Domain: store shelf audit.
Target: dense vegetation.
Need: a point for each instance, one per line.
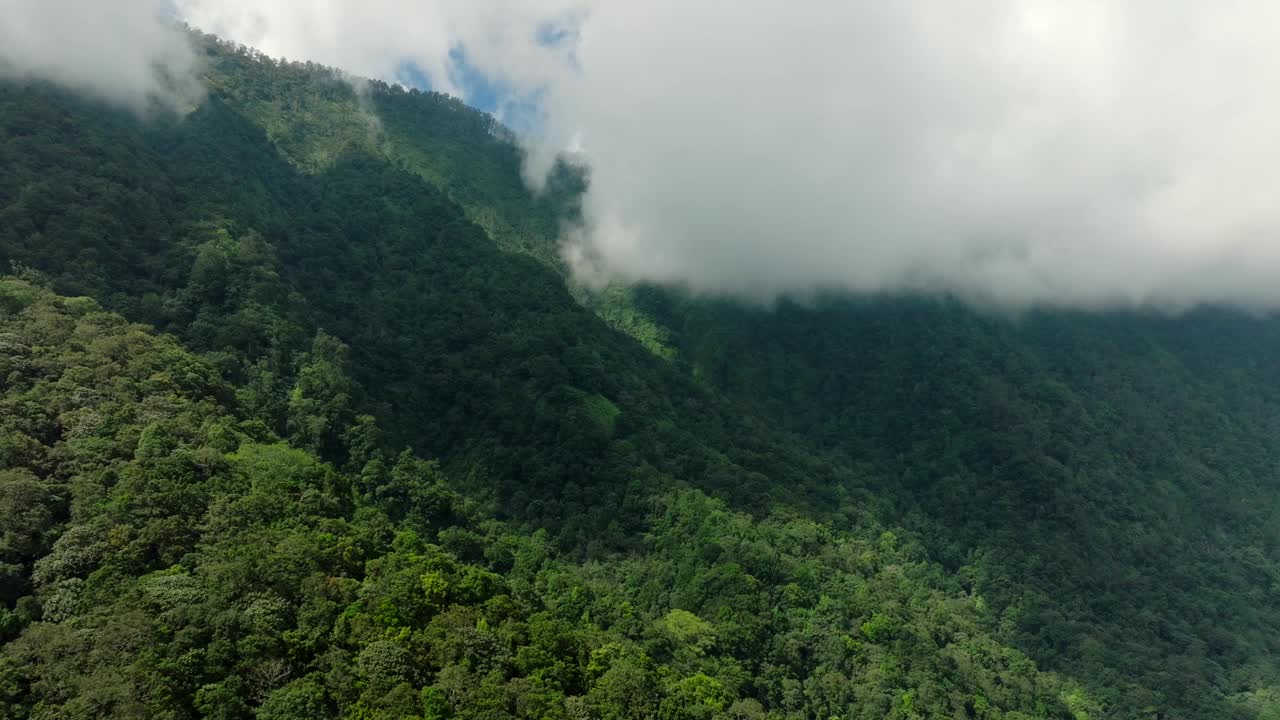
(223, 330)
(166, 555)
(1107, 482)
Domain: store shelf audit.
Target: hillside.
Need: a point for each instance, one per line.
(226, 328)
(166, 555)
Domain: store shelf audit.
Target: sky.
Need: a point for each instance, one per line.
(1077, 153)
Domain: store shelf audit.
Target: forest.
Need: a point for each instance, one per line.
(301, 416)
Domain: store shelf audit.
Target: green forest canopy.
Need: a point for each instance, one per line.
(231, 342)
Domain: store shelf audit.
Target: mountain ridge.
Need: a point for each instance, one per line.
(356, 298)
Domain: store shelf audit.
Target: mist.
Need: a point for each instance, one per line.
(1018, 153)
(129, 53)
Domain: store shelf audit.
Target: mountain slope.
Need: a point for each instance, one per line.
(904, 491)
(1108, 482)
(166, 555)
(458, 346)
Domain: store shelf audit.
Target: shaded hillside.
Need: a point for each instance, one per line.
(1107, 482)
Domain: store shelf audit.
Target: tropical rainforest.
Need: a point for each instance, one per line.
(301, 416)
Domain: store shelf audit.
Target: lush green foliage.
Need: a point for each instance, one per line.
(167, 556)
(1108, 483)
(645, 505)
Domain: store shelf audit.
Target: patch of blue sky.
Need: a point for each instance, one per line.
(520, 111)
(563, 34)
(411, 75)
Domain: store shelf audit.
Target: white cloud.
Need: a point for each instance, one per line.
(1077, 152)
(121, 51)
(1084, 153)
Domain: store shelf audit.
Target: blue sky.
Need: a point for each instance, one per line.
(519, 110)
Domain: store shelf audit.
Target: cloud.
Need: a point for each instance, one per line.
(1071, 152)
(1083, 153)
(126, 52)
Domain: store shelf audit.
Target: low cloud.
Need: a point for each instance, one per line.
(1084, 153)
(128, 53)
(1077, 153)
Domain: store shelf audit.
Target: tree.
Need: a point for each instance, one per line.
(320, 403)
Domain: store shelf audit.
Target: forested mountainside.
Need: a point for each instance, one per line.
(223, 330)
(167, 555)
